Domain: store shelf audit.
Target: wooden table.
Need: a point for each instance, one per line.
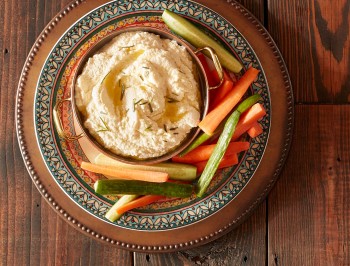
(305, 219)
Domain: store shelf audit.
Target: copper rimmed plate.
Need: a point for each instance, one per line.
(54, 164)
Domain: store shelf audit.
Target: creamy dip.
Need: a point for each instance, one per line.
(139, 95)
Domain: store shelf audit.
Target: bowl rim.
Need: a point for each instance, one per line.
(203, 89)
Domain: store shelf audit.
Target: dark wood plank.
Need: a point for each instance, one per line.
(244, 245)
(314, 39)
(31, 232)
(256, 7)
(309, 208)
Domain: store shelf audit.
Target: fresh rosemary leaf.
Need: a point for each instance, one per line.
(171, 100)
(104, 126)
(150, 107)
(125, 47)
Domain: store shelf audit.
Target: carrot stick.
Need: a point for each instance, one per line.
(137, 203)
(213, 119)
(226, 161)
(255, 130)
(247, 120)
(202, 153)
(222, 91)
(123, 173)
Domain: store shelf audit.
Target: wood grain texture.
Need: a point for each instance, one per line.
(314, 39)
(31, 232)
(309, 208)
(244, 245)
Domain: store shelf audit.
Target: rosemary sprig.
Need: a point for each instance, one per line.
(171, 100)
(173, 128)
(125, 47)
(133, 108)
(143, 103)
(149, 128)
(150, 107)
(165, 128)
(104, 126)
(141, 77)
(136, 103)
(145, 67)
(122, 91)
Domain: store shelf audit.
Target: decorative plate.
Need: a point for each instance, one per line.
(54, 163)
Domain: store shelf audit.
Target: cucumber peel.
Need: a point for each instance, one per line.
(199, 39)
(134, 187)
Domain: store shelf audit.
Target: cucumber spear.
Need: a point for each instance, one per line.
(198, 38)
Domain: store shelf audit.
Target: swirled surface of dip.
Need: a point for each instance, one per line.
(139, 95)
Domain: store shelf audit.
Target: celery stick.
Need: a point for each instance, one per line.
(112, 215)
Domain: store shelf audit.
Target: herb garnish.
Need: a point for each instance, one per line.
(125, 47)
(104, 126)
(171, 100)
(176, 133)
(150, 107)
(122, 92)
(141, 77)
(145, 67)
(181, 72)
(149, 128)
(136, 103)
(165, 129)
(173, 128)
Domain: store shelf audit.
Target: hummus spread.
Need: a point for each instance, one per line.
(139, 95)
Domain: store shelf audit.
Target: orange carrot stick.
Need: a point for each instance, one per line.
(255, 130)
(123, 173)
(226, 161)
(202, 153)
(213, 119)
(137, 203)
(222, 91)
(247, 120)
